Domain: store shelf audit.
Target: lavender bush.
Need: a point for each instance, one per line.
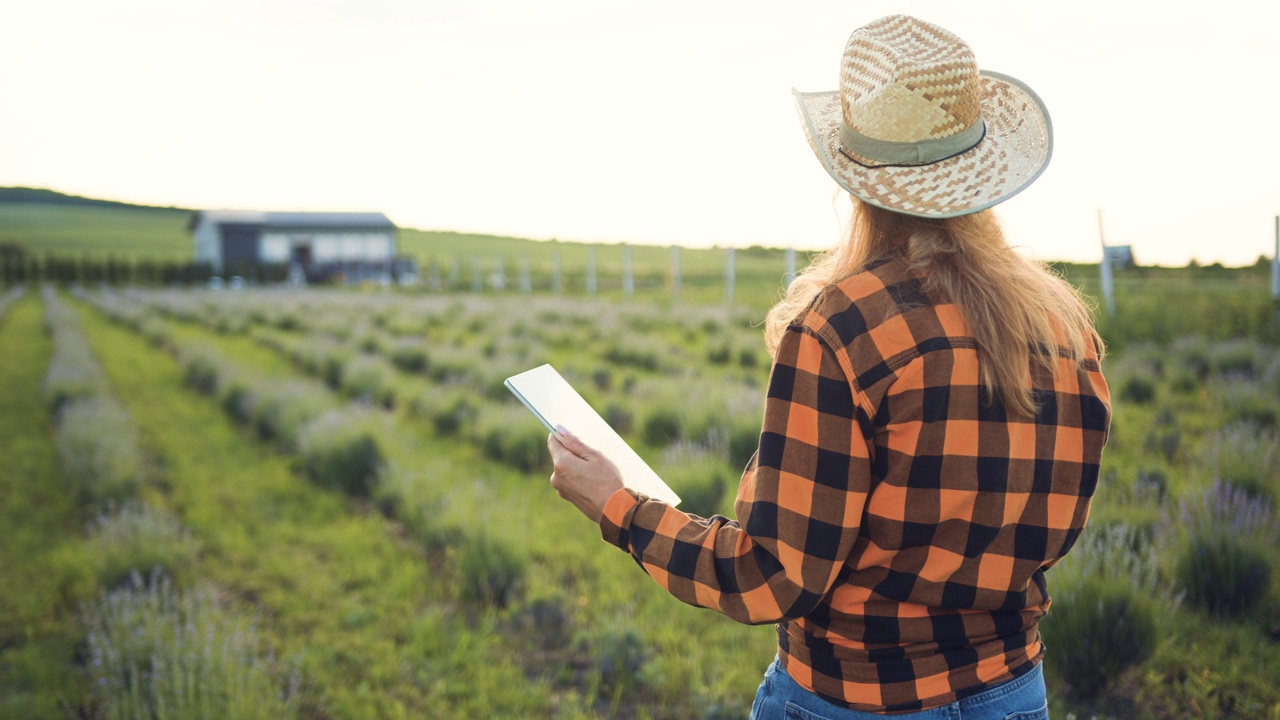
(369, 378)
(1107, 599)
(342, 450)
(699, 474)
(1222, 564)
(410, 354)
(156, 651)
(73, 372)
(11, 296)
(1246, 456)
(98, 445)
(450, 409)
(508, 433)
(1247, 401)
(138, 537)
(492, 568)
(279, 410)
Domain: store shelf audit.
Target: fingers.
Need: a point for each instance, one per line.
(571, 442)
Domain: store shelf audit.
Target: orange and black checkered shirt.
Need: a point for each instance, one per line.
(893, 523)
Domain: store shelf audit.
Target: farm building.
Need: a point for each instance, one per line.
(314, 245)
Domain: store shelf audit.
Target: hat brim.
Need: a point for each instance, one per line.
(1012, 154)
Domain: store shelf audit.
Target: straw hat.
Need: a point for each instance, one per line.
(916, 128)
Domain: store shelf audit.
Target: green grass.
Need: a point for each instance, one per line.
(448, 495)
(127, 232)
(348, 597)
(39, 528)
(463, 586)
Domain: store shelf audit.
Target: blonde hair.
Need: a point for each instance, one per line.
(1011, 304)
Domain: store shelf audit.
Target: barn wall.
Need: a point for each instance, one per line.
(208, 247)
(239, 246)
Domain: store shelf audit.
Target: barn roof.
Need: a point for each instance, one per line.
(284, 220)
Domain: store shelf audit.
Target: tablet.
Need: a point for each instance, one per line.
(554, 401)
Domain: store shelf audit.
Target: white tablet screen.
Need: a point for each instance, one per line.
(550, 397)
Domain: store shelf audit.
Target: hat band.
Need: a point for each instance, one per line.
(922, 152)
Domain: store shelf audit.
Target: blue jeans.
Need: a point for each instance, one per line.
(1022, 698)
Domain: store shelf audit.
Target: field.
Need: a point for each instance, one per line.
(323, 504)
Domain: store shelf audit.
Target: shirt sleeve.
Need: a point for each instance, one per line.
(799, 504)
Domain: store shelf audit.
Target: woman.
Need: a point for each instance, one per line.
(934, 420)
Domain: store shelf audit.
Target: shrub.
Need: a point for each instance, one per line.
(701, 487)
(719, 353)
(450, 410)
(410, 354)
(340, 450)
(369, 378)
(451, 363)
(11, 296)
(620, 418)
(548, 621)
(748, 358)
(1138, 389)
(1184, 382)
(1246, 456)
(332, 362)
(492, 569)
(1108, 595)
(202, 369)
(636, 353)
(602, 379)
(1240, 357)
(660, 425)
(1248, 402)
(743, 438)
(73, 372)
(620, 657)
(239, 397)
(1096, 630)
(730, 419)
(156, 651)
(509, 434)
(98, 445)
(1192, 354)
(1220, 564)
(1223, 576)
(156, 331)
(137, 538)
(1165, 443)
(698, 474)
(280, 410)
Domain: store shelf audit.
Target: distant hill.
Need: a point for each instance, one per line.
(41, 220)
(53, 197)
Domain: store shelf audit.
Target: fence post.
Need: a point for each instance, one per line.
(433, 273)
(675, 272)
(477, 284)
(1108, 287)
(791, 268)
(628, 280)
(729, 273)
(1275, 265)
(526, 283)
(499, 276)
(591, 271)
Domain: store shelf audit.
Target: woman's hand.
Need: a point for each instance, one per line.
(582, 476)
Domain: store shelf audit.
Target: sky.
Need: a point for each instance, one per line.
(661, 122)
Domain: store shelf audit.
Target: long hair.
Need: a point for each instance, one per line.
(1011, 304)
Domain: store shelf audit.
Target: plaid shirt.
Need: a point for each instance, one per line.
(893, 524)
